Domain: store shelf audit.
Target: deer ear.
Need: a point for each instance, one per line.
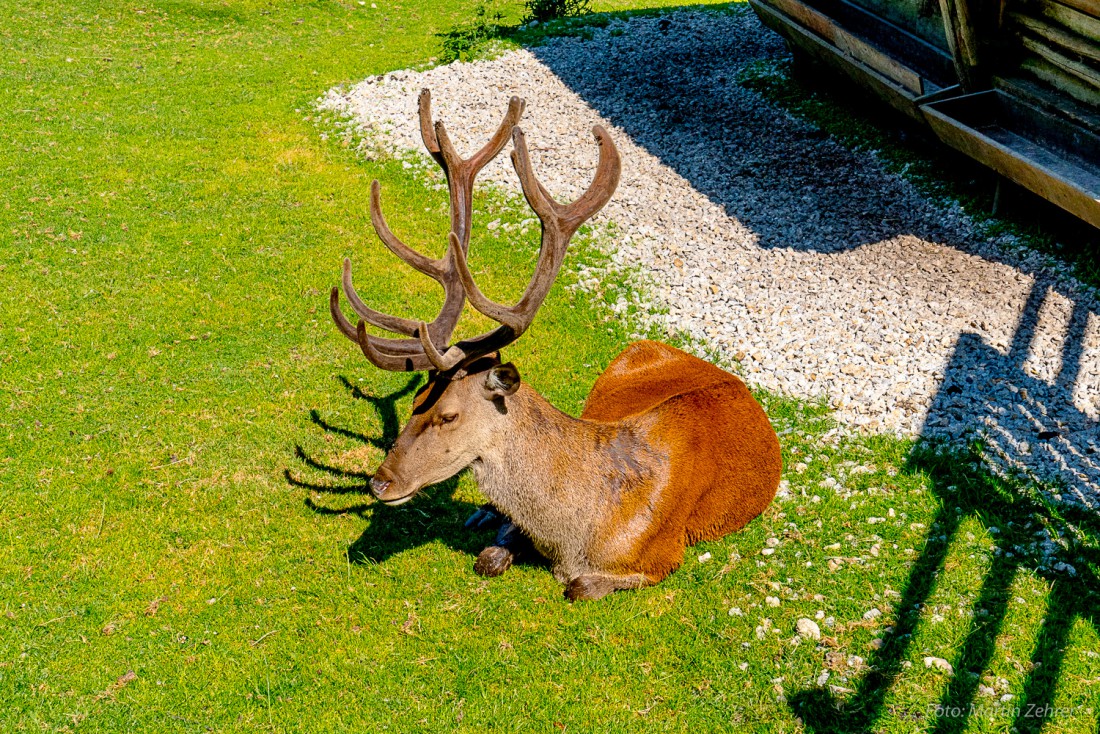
(501, 381)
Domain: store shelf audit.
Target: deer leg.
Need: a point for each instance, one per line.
(509, 546)
(485, 517)
(591, 586)
(497, 558)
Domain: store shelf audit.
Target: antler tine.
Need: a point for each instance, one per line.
(427, 133)
(440, 329)
(453, 163)
(510, 317)
(461, 173)
(440, 270)
(467, 350)
(569, 217)
(500, 138)
(520, 316)
(368, 314)
(432, 268)
(442, 362)
(559, 222)
(477, 161)
(375, 349)
(428, 357)
(604, 183)
(391, 362)
(342, 322)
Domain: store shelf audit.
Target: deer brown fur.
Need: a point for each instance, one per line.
(668, 451)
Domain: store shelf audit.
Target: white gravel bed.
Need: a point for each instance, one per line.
(819, 272)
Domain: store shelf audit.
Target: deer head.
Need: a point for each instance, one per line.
(465, 405)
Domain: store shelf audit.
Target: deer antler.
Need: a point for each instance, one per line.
(411, 354)
(559, 223)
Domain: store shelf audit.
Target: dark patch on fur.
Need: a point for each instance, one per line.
(626, 473)
(622, 450)
(429, 395)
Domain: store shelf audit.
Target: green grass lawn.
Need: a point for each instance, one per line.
(185, 441)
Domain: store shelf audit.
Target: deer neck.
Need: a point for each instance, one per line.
(552, 474)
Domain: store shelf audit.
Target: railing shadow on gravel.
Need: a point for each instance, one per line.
(436, 515)
(1051, 532)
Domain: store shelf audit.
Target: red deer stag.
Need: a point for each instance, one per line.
(669, 450)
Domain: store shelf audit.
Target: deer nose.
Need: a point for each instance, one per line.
(379, 483)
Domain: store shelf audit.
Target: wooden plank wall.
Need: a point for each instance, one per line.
(1057, 42)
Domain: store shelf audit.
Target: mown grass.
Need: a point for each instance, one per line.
(186, 441)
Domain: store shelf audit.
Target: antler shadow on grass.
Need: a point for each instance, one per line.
(386, 407)
(432, 515)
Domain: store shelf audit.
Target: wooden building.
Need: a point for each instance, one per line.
(1014, 84)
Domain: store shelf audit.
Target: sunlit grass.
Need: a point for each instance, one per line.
(186, 437)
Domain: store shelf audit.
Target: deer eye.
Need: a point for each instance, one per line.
(447, 417)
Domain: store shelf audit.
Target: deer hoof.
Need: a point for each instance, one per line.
(587, 588)
(493, 561)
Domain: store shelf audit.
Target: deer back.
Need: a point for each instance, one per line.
(722, 454)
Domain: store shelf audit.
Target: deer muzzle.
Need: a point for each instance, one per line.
(387, 489)
(379, 486)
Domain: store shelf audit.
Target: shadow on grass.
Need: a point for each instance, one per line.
(997, 504)
(1052, 531)
(433, 515)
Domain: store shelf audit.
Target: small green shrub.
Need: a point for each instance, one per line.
(544, 10)
(463, 41)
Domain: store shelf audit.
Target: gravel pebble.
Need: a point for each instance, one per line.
(939, 664)
(808, 628)
(819, 272)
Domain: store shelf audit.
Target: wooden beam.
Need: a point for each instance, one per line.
(1072, 185)
(1073, 18)
(850, 44)
(1063, 81)
(1053, 35)
(1089, 7)
(896, 95)
(958, 22)
(1083, 72)
(1054, 104)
